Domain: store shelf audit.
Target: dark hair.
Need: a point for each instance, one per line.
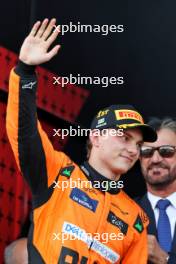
(160, 123)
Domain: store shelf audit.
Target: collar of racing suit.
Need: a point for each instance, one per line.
(104, 184)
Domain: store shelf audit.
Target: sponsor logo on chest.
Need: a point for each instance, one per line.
(116, 221)
(83, 199)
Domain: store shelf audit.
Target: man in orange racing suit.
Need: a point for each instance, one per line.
(69, 224)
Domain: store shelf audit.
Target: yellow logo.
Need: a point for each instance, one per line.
(102, 113)
(128, 114)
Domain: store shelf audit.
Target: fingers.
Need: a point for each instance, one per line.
(49, 29)
(52, 38)
(35, 29)
(42, 28)
(53, 52)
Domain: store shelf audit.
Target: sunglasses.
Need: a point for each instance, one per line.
(165, 151)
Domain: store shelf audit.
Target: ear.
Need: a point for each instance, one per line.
(94, 137)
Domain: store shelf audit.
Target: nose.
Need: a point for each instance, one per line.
(156, 157)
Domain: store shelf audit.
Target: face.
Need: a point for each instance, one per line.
(119, 153)
(157, 170)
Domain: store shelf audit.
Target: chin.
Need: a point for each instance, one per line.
(121, 170)
(156, 179)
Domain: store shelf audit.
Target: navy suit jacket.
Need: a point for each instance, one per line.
(152, 230)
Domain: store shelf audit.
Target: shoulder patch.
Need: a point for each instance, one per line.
(144, 217)
(67, 171)
(116, 221)
(138, 224)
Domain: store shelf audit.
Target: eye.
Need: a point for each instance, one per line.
(125, 138)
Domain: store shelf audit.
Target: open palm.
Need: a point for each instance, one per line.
(34, 50)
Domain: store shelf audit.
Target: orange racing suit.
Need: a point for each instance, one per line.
(79, 214)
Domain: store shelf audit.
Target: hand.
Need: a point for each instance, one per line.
(155, 254)
(34, 50)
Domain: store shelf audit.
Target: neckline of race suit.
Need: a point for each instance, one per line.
(105, 184)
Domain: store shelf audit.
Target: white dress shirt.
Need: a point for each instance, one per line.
(171, 209)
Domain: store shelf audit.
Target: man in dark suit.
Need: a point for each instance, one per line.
(158, 164)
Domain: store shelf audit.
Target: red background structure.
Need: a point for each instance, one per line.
(14, 194)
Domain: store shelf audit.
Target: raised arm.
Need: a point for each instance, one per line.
(34, 154)
(34, 50)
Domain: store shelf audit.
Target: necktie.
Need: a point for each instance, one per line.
(164, 229)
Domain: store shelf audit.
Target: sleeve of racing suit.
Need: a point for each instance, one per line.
(37, 160)
(138, 252)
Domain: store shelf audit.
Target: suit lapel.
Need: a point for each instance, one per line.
(145, 204)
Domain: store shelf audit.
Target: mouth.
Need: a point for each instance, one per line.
(157, 170)
(127, 158)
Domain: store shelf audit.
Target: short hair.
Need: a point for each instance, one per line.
(161, 123)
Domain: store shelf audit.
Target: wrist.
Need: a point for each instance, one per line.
(25, 69)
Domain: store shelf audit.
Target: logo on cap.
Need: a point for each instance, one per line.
(128, 114)
(102, 113)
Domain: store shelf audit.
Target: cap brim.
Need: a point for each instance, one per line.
(149, 134)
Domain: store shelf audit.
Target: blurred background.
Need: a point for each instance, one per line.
(144, 54)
